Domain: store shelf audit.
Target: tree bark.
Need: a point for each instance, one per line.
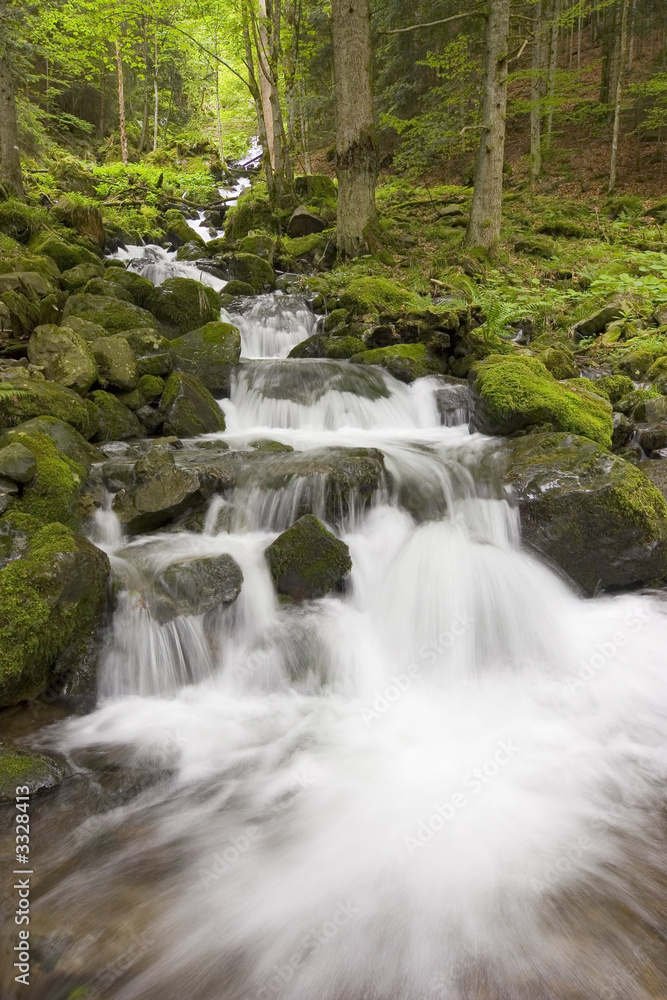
(356, 150)
(553, 67)
(536, 95)
(486, 212)
(121, 105)
(156, 97)
(265, 85)
(255, 91)
(619, 93)
(11, 175)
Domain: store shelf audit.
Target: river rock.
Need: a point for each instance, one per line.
(19, 767)
(188, 407)
(52, 601)
(116, 422)
(251, 269)
(66, 255)
(591, 513)
(115, 362)
(152, 351)
(204, 584)
(303, 222)
(184, 304)
(110, 313)
(67, 440)
(17, 463)
(136, 285)
(511, 394)
(406, 362)
(307, 561)
(209, 354)
(597, 322)
(77, 277)
(64, 357)
(33, 397)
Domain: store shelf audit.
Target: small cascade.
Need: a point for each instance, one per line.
(273, 324)
(158, 265)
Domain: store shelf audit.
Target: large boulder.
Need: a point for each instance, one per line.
(52, 601)
(511, 394)
(52, 494)
(64, 357)
(367, 296)
(591, 513)
(179, 232)
(198, 585)
(110, 313)
(77, 277)
(304, 222)
(184, 304)
(17, 463)
(115, 362)
(188, 407)
(116, 422)
(24, 398)
(136, 285)
(251, 269)
(152, 351)
(405, 362)
(209, 354)
(66, 255)
(67, 440)
(307, 561)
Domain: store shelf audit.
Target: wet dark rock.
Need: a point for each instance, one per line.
(64, 357)
(209, 354)
(623, 430)
(589, 512)
(17, 463)
(303, 222)
(307, 561)
(653, 438)
(19, 767)
(199, 585)
(116, 422)
(597, 322)
(189, 408)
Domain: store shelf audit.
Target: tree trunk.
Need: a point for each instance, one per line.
(486, 212)
(267, 44)
(11, 176)
(356, 150)
(553, 66)
(619, 93)
(144, 115)
(218, 119)
(121, 105)
(536, 94)
(156, 96)
(265, 85)
(254, 88)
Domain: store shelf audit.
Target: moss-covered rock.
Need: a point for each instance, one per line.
(639, 356)
(614, 387)
(66, 255)
(115, 362)
(77, 277)
(17, 463)
(198, 585)
(111, 314)
(64, 357)
(53, 492)
(98, 286)
(252, 212)
(251, 269)
(591, 513)
(138, 287)
(405, 362)
(20, 768)
(32, 284)
(177, 227)
(235, 288)
(188, 407)
(24, 398)
(148, 389)
(512, 394)
(209, 354)
(52, 600)
(559, 362)
(598, 321)
(365, 296)
(317, 190)
(67, 440)
(152, 351)
(184, 304)
(84, 328)
(259, 245)
(307, 561)
(116, 422)
(23, 314)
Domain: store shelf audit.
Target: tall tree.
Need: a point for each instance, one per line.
(618, 95)
(486, 211)
(10, 159)
(121, 104)
(356, 149)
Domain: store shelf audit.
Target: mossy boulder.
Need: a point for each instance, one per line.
(64, 357)
(52, 601)
(210, 354)
(252, 212)
(138, 287)
(116, 422)
(115, 362)
(366, 296)
(23, 313)
(513, 394)
(345, 347)
(406, 362)
(17, 463)
(20, 768)
(637, 361)
(184, 304)
(110, 313)
(591, 513)
(66, 255)
(251, 269)
(307, 561)
(98, 286)
(53, 492)
(316, 189)
(77, 277)
(148, 389)
(178, 231)
(198, 585)
(67, 440)
(235, 288)
(152, 351)
(560, 363)
(24, 398)
(259, 245)
(188, 407)
(84, 328)
(32, 284)
(614, 387)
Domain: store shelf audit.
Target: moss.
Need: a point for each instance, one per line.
(639, 356)
(518, 393)
(21, 221)
(307, 561)
(116, 364)
(405, 362)
(53, 493)
(343, 347)
(66, 255)
(614, 387)
(560, 363)
(32, 397)
(67, 440)
(177, 225)
(64, 357)
(77, 277)
(251, 269)
(317, 190)
(51, 601)
(305, 247)
(251, 212)
(138, 287)
(379, 295)
(110, 313)
(260, 245)
(188, 407)
(184, 304)
(658, 369)
(209, 354)
(116, 422)
(628, 403)
(19, 768)
(235, 288)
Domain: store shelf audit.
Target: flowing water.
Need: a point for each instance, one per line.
(446, 782)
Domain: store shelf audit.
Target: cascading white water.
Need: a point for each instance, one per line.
(273, 325)
(158, 265)
(443, 784)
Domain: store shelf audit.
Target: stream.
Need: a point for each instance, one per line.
(445, 782)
